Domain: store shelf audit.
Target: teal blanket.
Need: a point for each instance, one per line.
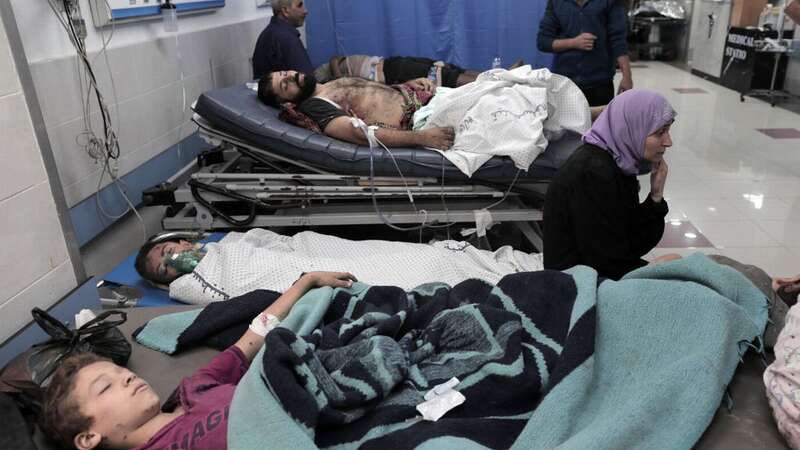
(668, 339)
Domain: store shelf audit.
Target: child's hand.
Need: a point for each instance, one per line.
(332, 279)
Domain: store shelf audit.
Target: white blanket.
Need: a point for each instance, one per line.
(261, 259)
(506, 113)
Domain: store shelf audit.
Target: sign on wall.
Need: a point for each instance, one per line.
(104, 12)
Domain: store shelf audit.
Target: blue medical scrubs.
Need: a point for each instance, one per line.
(279, 48)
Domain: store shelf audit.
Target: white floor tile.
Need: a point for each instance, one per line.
(701, 208)
(785, 232)
(766, 208)
(735, 234)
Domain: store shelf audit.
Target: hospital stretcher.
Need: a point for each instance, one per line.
(268, 173)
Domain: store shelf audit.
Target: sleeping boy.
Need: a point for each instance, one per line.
(92, 403)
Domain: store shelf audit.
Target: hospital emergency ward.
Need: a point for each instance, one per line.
(386, 224)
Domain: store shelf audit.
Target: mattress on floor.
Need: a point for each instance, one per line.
(237, 111)
(125, 273)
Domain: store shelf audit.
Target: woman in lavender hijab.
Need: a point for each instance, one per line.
(592, 213)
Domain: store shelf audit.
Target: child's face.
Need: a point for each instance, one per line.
(116, 399)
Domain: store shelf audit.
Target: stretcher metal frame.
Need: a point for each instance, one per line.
(311, 196)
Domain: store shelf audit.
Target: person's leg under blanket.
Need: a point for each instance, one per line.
(777, 308)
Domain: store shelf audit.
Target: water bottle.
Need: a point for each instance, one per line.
(432, 73)
(497, 63)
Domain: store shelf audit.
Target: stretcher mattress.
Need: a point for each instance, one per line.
(237, 111)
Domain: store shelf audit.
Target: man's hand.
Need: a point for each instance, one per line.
(789, 284)
(438, 138)
(658, 178)
(422, 84)
(332, 279)
(625, 85)
(584, 42)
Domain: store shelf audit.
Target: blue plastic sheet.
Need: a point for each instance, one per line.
(469, 33)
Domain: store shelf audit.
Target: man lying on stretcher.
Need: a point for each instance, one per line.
(331, 105)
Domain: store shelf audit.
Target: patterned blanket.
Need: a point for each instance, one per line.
(358, 379)
(545, 360)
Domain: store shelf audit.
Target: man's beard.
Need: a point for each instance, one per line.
(307, 87)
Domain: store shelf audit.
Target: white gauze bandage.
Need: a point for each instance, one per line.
(263, 324)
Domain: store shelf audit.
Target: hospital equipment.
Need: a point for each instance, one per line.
(169, 14)
(268, 173)
(108, 12)
(184, 262)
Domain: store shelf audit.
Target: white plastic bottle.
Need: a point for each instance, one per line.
(432, 73)
(497, 63)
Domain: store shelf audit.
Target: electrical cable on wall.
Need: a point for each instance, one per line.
(103, 149)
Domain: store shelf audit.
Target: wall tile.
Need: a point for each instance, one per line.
(9, 82)
(147, 79)
(58, 90)
(126, 78)
(16, 128)
(43, 293)
(72, 160)
(34, 244)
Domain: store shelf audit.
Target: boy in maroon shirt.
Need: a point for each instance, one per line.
(93, 403)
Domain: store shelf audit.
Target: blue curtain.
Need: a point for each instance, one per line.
(469, 33)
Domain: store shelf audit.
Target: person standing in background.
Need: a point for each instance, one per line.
(279, 46)
(589, 38)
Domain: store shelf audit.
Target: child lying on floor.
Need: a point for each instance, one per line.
(93, 403)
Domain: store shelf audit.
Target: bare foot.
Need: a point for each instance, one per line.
(518, 63)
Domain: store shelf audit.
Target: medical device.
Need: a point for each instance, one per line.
(107, 12)
(169, 14)
(186, 261)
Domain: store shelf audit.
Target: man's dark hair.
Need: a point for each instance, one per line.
(141, 262)
(265, 92)
(61, 418)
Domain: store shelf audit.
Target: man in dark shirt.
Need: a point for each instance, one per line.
(279, 46)
(588, 38)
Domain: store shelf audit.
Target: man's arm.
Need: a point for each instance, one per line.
(618, 42)
(793, 11)
(440, 138)
(626, 83)
(250, 342)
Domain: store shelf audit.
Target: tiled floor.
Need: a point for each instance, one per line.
(734, 173)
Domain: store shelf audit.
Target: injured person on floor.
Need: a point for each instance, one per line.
(262, 259)
(536, 361)
(503, 113)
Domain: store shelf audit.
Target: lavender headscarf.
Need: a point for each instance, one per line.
(625, 124)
